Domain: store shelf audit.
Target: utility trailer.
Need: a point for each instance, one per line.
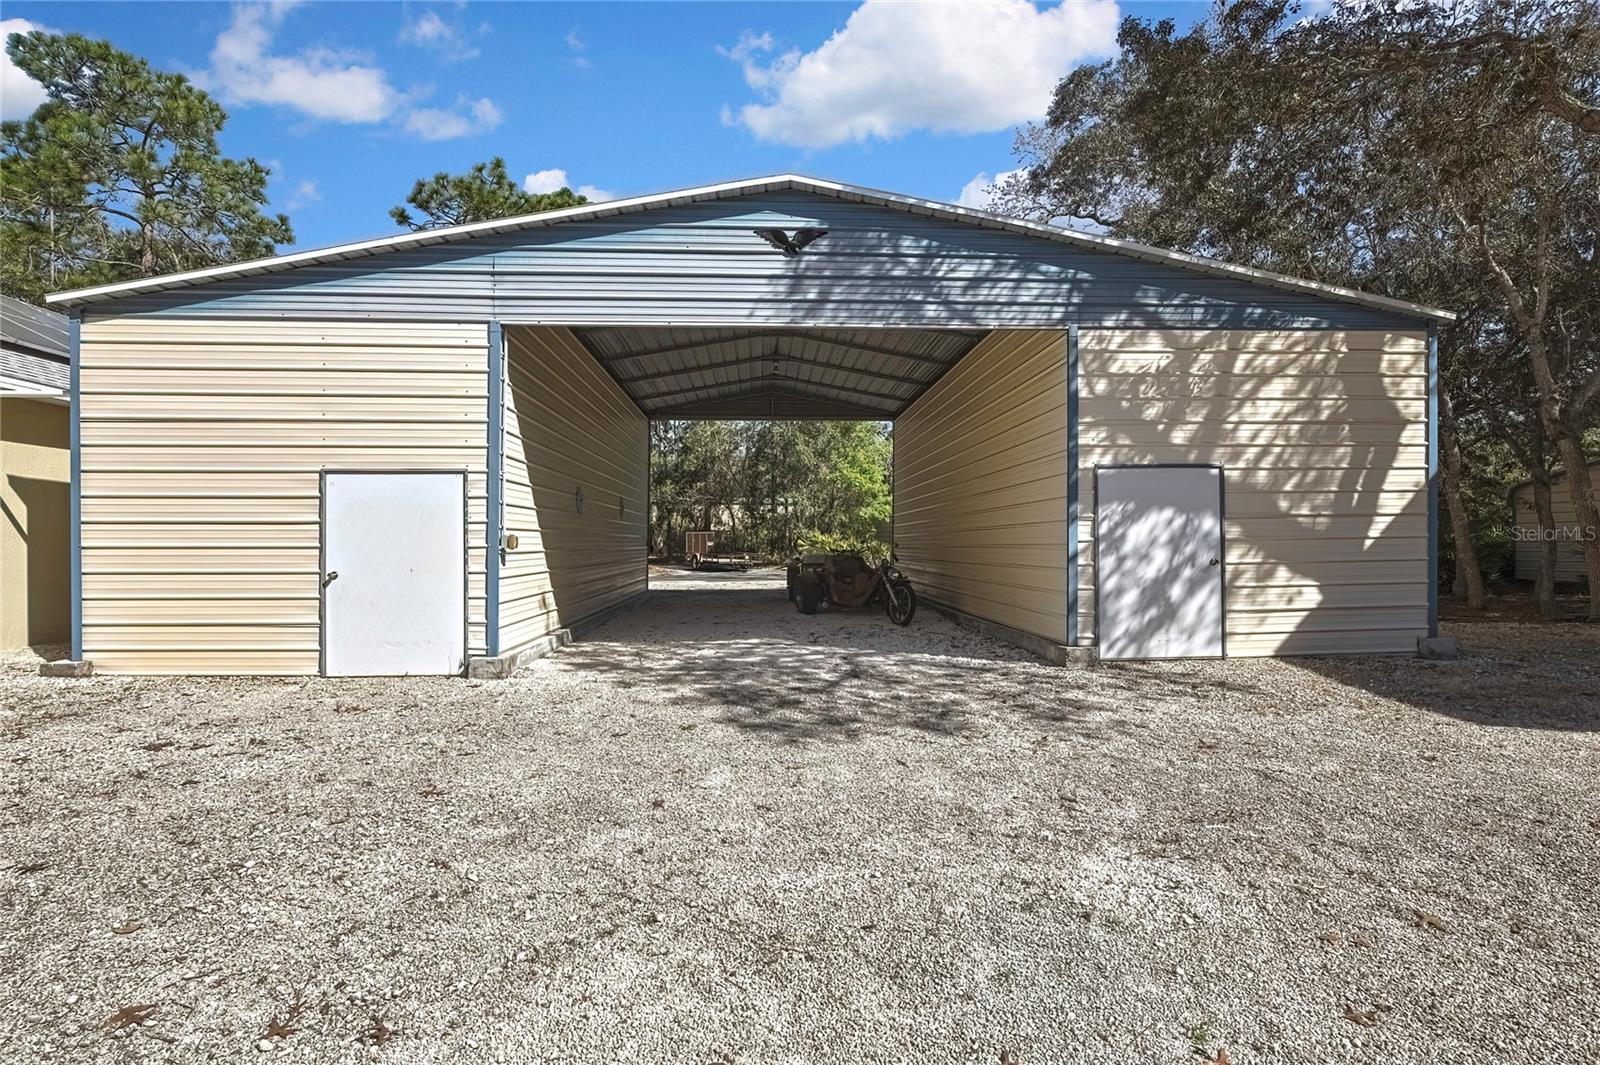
(704, 552)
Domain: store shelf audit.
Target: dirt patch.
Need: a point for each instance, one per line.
(1517, 604)
(720, 830)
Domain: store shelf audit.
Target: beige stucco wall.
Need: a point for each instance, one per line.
(202, 446)
(569, 426)
(980, 484)
(35, 496)
(1323, 436)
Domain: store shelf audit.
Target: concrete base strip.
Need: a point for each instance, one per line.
(1055, 653)
(67, 667)
(501, 666)
(1444, 647)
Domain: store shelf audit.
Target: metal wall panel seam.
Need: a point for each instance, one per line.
(75, 441)
(1433, 481)
(1072, 484)
(495, 526)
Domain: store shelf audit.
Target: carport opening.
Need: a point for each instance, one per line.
(768, 442)
(732, 495)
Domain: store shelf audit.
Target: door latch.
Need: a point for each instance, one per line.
(333, 575)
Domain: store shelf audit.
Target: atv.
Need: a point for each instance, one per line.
(846, 580)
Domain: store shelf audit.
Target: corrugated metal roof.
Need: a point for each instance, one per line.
(675, 372)
(735, 189)
(33, 329)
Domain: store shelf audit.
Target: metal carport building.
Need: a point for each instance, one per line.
(395, 455)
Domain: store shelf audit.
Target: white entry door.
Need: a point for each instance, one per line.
(394, 584)
(1158, 561)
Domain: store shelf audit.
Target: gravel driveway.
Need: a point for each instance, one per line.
(718, 831)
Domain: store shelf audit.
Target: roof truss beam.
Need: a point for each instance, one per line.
(791, 334)
(766, 380)
(738, 406)
(798, 360)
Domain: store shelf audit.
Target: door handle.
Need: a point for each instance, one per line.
(332, 576)
(1213, 562)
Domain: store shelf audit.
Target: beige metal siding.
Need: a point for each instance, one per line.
(1569, 552)
(568, 427)
(203, 443)
(1324, 439)
(980, 484)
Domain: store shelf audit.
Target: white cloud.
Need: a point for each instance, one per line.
(19, 94)
(319, 82)
(467, 118)
(305, 194)
(979, 192)
(947, 67)
(578, 45)
(429, 29)
(450, 40)
(337, 85)
(543, 181)
(747, 46)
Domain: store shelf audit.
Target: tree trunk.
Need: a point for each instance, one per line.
(1581, 487)
(147, 251)
(1544, 511)
(1552, 412)
(1468, 573)
(1569, 446)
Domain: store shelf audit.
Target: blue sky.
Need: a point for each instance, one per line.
(350, 102)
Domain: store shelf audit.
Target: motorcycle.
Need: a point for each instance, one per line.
(846, 580)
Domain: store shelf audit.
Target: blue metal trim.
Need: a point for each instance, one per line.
(496, 473)
(75, 520)
(1433, 481)
(1072, 484)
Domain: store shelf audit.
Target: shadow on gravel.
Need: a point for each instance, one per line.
(761, 668)
(1509, 676)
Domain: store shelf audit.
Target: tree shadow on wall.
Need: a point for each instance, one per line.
(1324, 452)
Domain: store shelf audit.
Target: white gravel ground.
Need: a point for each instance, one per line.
(717, 831)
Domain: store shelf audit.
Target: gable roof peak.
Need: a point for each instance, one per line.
(747, 187)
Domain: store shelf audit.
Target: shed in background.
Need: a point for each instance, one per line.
(1526, 535)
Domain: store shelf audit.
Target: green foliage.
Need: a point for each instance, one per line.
(871, 548)
(117, 175)
(481, 194)
(770, 486)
